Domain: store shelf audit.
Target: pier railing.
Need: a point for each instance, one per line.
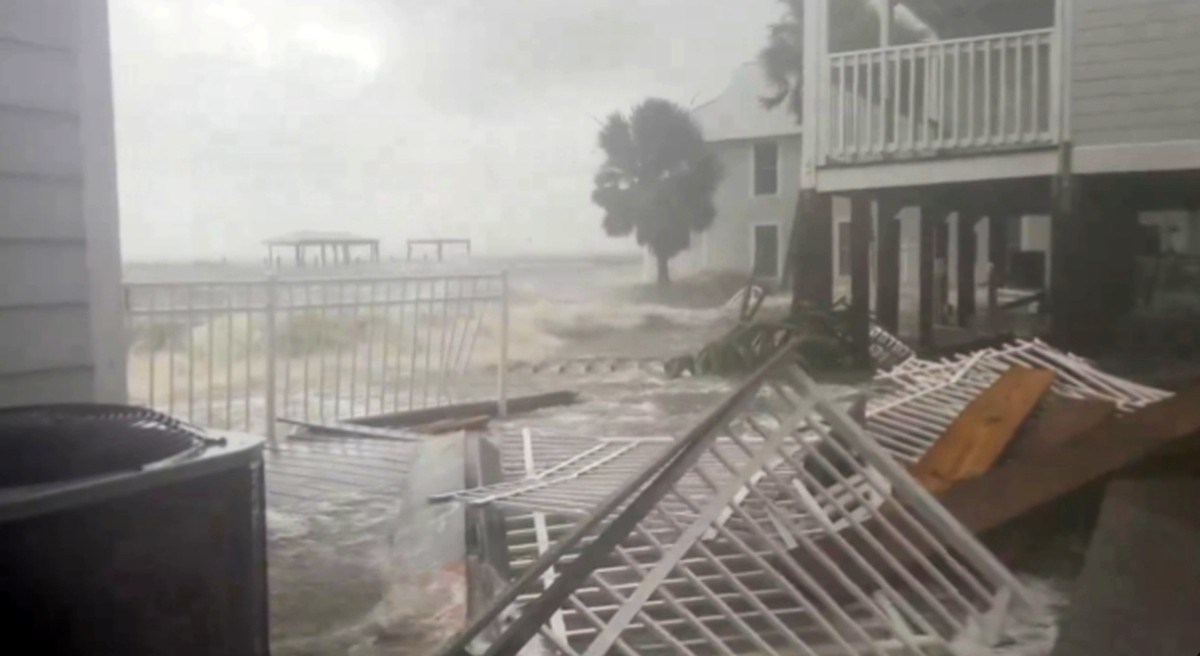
(977, 94)
(238, 354)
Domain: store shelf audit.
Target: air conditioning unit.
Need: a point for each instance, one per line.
(124, 531)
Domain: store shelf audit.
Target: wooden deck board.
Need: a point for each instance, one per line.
(976, 439)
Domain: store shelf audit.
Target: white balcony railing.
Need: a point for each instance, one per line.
(928, 99)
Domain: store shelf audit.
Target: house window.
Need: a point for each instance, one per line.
(766, 168)
(843, 237)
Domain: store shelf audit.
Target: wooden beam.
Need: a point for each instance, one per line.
(1059, 421)
(975, 440)
(1016, 488)
(887, 307)
(967, 247)
(860, 275)
(465, 410)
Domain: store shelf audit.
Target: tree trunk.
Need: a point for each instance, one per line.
(664, 273)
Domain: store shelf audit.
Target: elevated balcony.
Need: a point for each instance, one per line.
(981, 95)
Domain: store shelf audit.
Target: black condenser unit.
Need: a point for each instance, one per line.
(126, 532)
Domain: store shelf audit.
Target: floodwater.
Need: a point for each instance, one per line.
(344, 571)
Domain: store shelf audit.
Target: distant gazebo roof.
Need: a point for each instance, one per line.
(316, 237)
(331, 247)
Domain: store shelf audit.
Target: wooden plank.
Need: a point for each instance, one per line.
(1018, 487)
(1058, 423)
(441, 427)
(347, 429)
(464, 410)
(977, 437)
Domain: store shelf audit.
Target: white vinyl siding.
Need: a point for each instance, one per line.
(50, 272)
(1135, 75)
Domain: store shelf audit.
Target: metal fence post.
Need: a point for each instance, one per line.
(269, 345)
(502, 368)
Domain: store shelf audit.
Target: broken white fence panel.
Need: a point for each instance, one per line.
(776, 526)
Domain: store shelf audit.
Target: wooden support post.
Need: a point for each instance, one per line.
(439, 245)
(998, 227)
(1065, 250)
(967, 247)
(812, 282)
(887, 305)
(812, 270)
(860, 275)
(927, 303)
(941, 268)
(299, 255)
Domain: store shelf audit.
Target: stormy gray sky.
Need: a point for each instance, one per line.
(242, 119)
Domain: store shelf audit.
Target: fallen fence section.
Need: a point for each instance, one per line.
(887, 350)
(913, 404)
(693, 552)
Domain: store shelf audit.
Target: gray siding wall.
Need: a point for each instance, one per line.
(47, 284)
(726, 246)
(1136, 76)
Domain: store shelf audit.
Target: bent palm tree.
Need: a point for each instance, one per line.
(657, 180)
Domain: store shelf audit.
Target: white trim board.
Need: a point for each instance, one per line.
(1029, 164)
(1135, 158)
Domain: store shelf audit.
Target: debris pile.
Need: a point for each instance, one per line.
(775, 526)
(914, 404)
(822, 340)
(781, 525)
